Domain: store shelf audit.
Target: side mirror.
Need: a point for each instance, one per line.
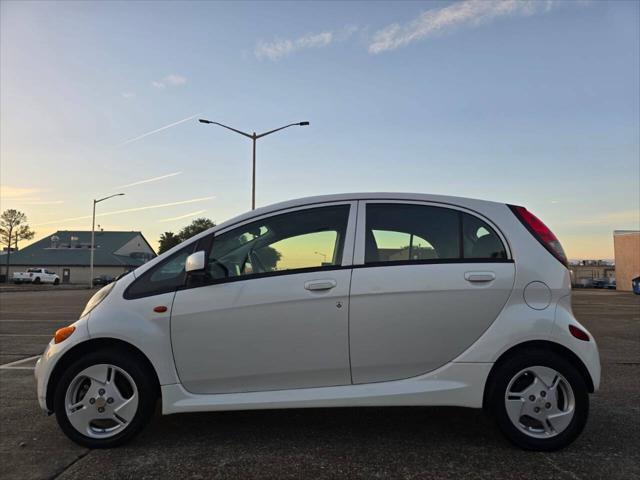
(195, 262)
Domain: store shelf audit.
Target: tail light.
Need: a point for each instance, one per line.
(541, 232)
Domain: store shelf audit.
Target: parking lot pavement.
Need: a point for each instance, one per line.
(367, 443)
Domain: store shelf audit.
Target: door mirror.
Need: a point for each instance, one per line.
(195, 262)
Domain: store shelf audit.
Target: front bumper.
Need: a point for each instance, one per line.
(52, 354)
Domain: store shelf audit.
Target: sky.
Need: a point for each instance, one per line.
(529, 103)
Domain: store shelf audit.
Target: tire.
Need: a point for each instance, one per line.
(561, 412)
(36, 280)
(56, 281)
(129, 417)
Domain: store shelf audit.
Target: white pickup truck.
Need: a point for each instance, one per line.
(36, 275)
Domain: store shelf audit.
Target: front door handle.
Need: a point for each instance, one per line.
(479, 276)
(315, 285)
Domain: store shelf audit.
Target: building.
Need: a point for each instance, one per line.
(626, 245)
(68, 254)
(584, 272)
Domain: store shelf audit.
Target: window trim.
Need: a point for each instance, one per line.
(359, 252)
(127, 295)
(347, 246)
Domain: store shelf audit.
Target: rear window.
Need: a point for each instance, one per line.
(415, 233)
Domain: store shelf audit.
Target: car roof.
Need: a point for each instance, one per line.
(304, 201)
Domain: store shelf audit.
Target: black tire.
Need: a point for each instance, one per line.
(36, 280)
(56, 281)
(508, 369)
(145, 384)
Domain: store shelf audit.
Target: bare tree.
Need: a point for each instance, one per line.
(13, 228)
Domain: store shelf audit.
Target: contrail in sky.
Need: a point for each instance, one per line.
(139, 137)
(148, 180)
(187, 215)
(129, 210)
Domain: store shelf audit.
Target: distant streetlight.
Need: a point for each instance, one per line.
(93, 227)
(253, 136)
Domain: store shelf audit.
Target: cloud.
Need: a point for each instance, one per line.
(614, 219)
(467, 13)
(148, 180)
(171, 80)
(17, 192)
(181, 217)
(128, 210)
(280, 48)
(45, 202)
(128, 95)
(139, 137)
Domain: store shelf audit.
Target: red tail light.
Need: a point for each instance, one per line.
(541, 232)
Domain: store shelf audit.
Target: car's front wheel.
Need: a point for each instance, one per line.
(540, 400)
(105, 398)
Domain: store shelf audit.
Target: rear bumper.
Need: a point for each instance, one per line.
(587, 351)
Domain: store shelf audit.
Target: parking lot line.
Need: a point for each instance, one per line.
(12, 365)
(24, 335)
(33, 321)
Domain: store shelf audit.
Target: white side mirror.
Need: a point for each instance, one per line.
(195, 262)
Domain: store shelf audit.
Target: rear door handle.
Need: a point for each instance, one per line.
(320, 284)
(479, 276)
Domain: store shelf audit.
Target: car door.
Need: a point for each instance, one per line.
(270, 311)
(428, 280)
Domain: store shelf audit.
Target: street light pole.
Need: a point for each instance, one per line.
(93, 230)
(254, 136)
(253, 176)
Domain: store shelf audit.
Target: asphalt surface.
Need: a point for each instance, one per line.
(367, 443)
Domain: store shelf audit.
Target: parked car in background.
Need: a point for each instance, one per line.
(103, 280)
(584, 283)
(612, 284)
(599, 283)
(414, 300)
(36, 275)
(635, 285)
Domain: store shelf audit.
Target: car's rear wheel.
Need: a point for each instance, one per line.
(36, 280)
(104, 399)
(540, 400)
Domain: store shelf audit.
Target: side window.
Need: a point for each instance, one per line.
(309, 238)
(480, 240)
(397, 232)
(164, 277)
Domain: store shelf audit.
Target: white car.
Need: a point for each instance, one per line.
(336, 301)
(37, 276)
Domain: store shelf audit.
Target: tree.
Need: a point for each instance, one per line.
(13, 228)
(195, 227)
(168, 240)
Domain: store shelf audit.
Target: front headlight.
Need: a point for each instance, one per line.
(97, 298)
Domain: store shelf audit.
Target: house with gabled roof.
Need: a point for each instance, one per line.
(68, 254)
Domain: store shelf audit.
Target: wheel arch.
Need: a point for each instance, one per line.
(92, 345)
(544, 345)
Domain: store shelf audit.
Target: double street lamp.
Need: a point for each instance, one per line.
(93, 228)
(253, 136)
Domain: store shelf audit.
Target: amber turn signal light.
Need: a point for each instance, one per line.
(63, 333)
